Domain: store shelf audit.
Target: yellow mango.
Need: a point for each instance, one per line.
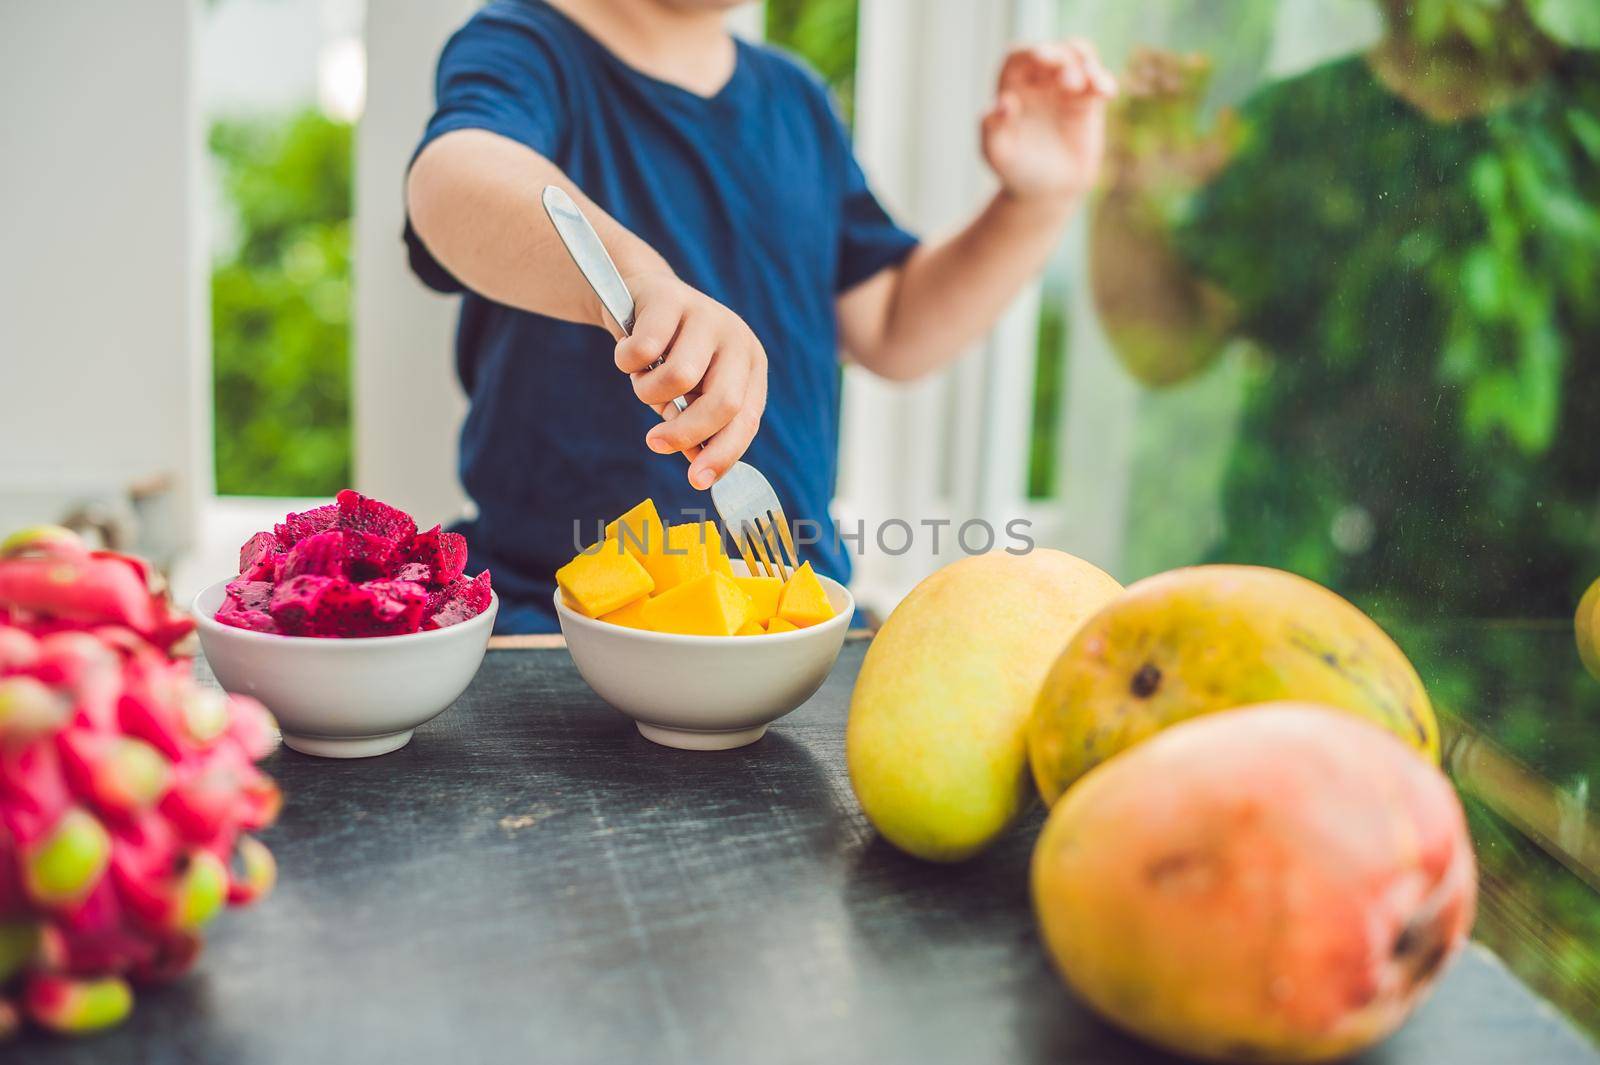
(643, 526)
(804, 601)
(1208, 638)
(716, 553)
(603, 579)
(630, 616)
(775, 625)
(763, 593)
(936, 742)
(751, 628)
(708, 605)
(681, 559)
(642, 532)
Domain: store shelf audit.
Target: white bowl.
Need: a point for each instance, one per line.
(349, 698)
(705, 693)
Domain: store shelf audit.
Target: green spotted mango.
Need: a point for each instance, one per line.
(1207, 638)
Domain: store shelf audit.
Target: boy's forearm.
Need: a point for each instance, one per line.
(473, 198)
(911, 321)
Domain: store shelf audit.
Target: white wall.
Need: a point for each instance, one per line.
(408, 406)
(102, 311)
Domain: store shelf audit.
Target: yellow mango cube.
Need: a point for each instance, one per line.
(630, 616)
(776, 625)
(645, 536)
(716, 554)
(709, 540)
(708, 605)
(751, 628)
(603, 579)
(681, 558)
(763, 593)
(804, 601)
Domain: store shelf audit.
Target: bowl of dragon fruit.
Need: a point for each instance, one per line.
(350, 624)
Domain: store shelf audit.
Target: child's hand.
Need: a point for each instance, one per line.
(1045, 134)
(712, 358)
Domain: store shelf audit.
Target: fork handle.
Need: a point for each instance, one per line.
(594, 263)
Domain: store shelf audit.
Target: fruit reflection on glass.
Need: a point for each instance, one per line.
(127, 791)
(1586, 626)
(1165, 324)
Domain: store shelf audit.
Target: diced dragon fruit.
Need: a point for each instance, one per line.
(313, 605)
(444, 553)
(296, 601)
(241, 617)
(419, 572)
(355, 567)
(358, 512)
(259, 557)
(250, 595)
(458, 601)
(358, 556)
(297, 527)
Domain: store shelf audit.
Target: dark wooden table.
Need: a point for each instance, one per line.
(531, 881)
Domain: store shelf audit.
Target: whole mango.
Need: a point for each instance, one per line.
(935, 742)
(1209, 638)
(1586, 626)
(1282, 882)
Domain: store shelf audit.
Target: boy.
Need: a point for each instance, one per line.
(723, 187)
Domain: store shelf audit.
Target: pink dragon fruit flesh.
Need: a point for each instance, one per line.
(127, 791)
(461, 600)
(260, 557)
(443, 553)
(356, 567)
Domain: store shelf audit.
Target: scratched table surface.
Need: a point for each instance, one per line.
(532, 881)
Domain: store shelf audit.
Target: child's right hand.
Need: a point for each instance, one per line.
(711, 358)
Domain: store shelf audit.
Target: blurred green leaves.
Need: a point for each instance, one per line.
(1572, 22)
(823, 32)
(280, 307)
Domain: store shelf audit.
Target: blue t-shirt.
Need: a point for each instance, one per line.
(751, 195)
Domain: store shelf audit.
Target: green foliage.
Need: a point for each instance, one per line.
(823, 33)
(280, 308)
(1572, 22)
(1423, 293)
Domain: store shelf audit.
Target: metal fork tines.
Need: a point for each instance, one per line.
(751, 513)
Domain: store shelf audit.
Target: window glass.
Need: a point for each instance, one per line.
(281, 87)
(1340, 294)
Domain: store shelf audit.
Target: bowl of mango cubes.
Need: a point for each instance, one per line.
(699, 652)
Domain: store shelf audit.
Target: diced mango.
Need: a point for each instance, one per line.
(681, 559)
(751, 628)
(630, 616)
(649, 540)
(708, 605)
(640, 530)
(804, 601)
(716, 554)
(603, 579)
(776, 625)
(763, 593)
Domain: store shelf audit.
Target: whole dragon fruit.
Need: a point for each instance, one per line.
(355, 567)
(125, 787)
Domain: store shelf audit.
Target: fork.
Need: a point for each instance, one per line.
(744, 498)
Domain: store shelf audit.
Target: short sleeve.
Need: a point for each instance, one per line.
(495, 74)
(869, 240)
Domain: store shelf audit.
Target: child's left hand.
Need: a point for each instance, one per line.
(1045, 134)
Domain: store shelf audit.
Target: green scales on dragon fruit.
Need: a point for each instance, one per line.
(355, 567)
